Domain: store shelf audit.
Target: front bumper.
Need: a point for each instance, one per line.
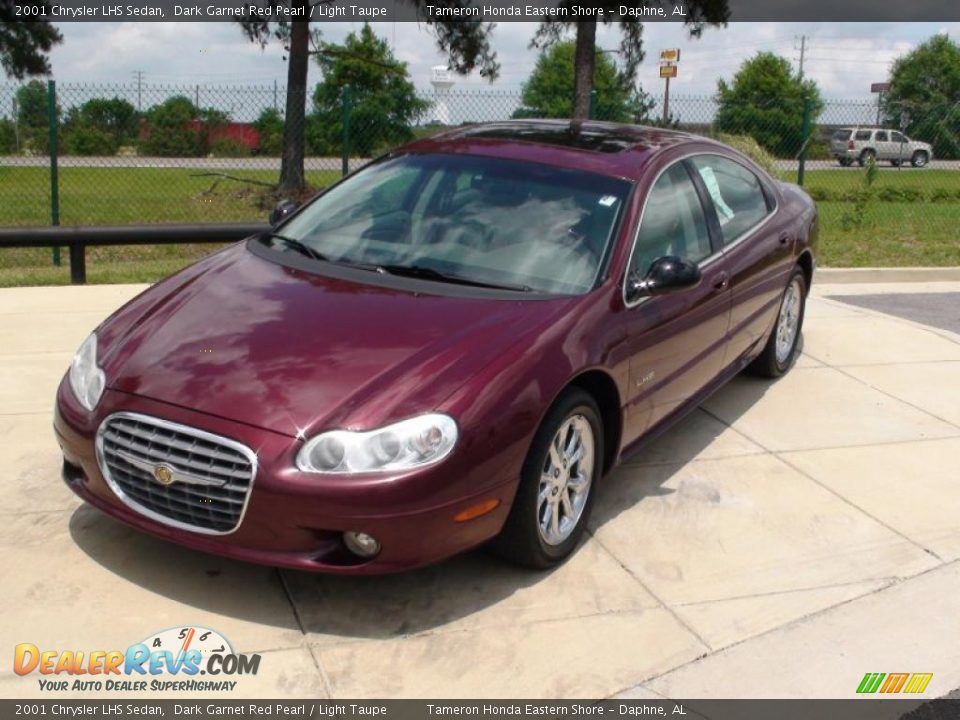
(293, 519)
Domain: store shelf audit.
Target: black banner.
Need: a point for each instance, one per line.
(855, 709)
(486, 10)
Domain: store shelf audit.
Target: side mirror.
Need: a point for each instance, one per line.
(666, 275)
(281, 211)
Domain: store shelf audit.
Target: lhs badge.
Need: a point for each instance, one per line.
(163, 474)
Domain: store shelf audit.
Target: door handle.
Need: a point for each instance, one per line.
(721, 282)
(784, 238)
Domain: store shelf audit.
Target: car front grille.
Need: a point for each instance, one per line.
(175, 474)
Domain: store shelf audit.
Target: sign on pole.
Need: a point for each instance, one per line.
(668, 71)
(670, 55)
(879, 87)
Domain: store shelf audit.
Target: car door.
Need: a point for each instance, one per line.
(885, 151)
(899, 147)
(675, 341)
(757, 247)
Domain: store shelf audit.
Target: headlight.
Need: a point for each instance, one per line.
(86, 378)
(405, 445)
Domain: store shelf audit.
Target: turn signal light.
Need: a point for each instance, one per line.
(475, 511)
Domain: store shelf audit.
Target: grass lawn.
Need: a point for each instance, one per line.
(841, 180)
(892, 233)
(122, 196)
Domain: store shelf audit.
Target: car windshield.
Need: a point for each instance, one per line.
(469, 219)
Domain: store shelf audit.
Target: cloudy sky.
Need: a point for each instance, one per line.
(844, 58)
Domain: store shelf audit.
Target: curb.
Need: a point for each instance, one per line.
(887, 275)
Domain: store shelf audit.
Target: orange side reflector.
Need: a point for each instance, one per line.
(475, 511)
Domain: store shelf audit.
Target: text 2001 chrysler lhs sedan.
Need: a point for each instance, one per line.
(451, 346)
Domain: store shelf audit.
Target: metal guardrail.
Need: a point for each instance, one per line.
(76, 239)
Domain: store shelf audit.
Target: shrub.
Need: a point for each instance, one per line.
(8, 137)
(228, 147)
(751, 148)
(88, 140)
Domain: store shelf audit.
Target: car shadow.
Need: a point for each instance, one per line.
(472, 584)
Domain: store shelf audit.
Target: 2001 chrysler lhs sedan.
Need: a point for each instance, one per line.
(449, 347)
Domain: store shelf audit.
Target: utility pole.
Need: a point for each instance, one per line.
(803, 50)
(138, 74)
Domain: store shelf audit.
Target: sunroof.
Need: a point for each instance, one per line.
(605, 140)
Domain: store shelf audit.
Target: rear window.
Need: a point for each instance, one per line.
(842, 134)
(863, 134)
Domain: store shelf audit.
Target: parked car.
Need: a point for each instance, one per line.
(858, 145)
(452, 346)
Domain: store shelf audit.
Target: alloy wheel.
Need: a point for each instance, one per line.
(565, 480)
(788, 323)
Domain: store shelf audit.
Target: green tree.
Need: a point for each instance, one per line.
(8, 136)
(31, 115)
(270, 129)
(699, 14)
(466, 43)
(177, 128)
(925, 95)
(100, 126)
(383, 100)
(765, 101)
(548, 92)
(24, 45)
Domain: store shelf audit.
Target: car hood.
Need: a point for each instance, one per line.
(243, 338)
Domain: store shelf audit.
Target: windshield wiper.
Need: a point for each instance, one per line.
(426, 273)
(295, 245)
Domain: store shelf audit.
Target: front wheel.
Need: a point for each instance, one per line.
(554, 497)
(783, 346)
(919, 159)
(846, 162)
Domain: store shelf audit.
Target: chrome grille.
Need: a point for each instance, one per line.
(210, 477)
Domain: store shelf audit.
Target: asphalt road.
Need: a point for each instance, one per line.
(941, 310)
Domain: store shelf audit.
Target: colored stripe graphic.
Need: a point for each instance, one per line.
(870, 682)
(918, 683)
(894, 683)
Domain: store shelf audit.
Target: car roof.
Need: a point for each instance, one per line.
(614, 149)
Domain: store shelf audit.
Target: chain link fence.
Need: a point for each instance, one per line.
(886, 176)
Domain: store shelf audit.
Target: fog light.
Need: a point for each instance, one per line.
(361, 544)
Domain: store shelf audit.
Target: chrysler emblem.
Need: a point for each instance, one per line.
(163, 474)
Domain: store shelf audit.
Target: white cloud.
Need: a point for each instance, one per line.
(843, 58)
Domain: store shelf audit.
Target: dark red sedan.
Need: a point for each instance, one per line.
(451, 346)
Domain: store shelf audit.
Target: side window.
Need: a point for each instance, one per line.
(862, 135)
(896, 137)
(736, 193)
(674, 222)
(881, 136)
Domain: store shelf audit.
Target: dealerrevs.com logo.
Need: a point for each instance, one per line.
(170, 660)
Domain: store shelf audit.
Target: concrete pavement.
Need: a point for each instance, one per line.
(785, 539)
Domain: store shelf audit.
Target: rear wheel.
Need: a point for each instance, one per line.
(919, 159)
(846, 162)
(554, 498)
(783, 346)
(866, 156)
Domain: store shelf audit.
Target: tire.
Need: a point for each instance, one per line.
(846, 162)
(895, 163)
(919, 159)
(865, 157)
(781, 351)
(528, 536)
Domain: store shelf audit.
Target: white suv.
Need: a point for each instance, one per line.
(851, 145)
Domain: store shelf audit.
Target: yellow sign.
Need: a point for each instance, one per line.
(668, 71)
(671, 55)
